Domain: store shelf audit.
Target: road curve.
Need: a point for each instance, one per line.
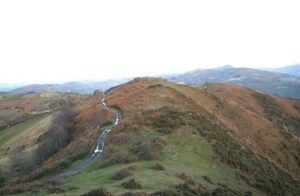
(98, 149)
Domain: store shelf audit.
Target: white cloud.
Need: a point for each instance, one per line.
(58, 40)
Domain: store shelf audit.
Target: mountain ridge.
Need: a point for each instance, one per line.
(266, 81)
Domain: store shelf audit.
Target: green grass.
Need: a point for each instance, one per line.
(9, 133)
(186, 152)
(16, 139)
(5, 113)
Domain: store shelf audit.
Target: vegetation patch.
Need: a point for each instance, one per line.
(186, 178)
(121, 174)
(113, 157)
(131, 184)
(276, 113)
(165, 130)
(98, 192)
(165, 117)
(270, 106)
(149, 149)
(157, 166)
(9, 133)
(135, 194)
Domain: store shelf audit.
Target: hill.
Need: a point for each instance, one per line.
(7, 87)
(266, 81)
(173, 139)
(24, 120)
(290, 69)
(86, 87)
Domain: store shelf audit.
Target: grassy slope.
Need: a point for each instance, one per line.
(20, 138)
(7, 134)
(186, 152)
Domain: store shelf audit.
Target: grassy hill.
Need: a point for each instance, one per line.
(215, 139)
(24, 120)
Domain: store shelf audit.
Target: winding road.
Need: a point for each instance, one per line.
(98, 150)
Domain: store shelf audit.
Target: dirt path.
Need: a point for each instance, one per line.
(98, 150)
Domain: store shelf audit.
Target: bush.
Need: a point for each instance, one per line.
(118, 157)
(132, 184)
(107, 123)
(135, 194)
(165, 130)
(98, 192)
(167, 193)
(187, 178)
(185, 189)
(207, 179)
(2, 178)
(121, 174)
(134, 167)
(157, 166)
(149, 149)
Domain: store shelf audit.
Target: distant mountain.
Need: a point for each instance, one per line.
(266, 81)
(8, 87)
(85, 87)
(290, 69)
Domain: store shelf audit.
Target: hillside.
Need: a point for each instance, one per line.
(217, 139)
(51, 132)
(16, 108)
(266, 81)
(24, 120)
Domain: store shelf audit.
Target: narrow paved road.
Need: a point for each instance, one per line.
(98, 150)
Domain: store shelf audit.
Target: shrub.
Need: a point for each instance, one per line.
(121, 174)
(134, 167)
(56, 190)
(185, 189)
(207, 179)
(157, 166)
(2, 178)
(167, 193)
(132, 184)
(165, 130)
(135, 194)
(149, 149)
(118, 157)
(98, 192)
(187, 178)
(107, 123)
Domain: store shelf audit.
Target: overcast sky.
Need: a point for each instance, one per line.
(57, 40)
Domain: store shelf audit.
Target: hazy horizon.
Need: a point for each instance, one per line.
(127, 77)
(61, 41)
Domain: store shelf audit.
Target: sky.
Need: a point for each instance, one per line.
(55, 41)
